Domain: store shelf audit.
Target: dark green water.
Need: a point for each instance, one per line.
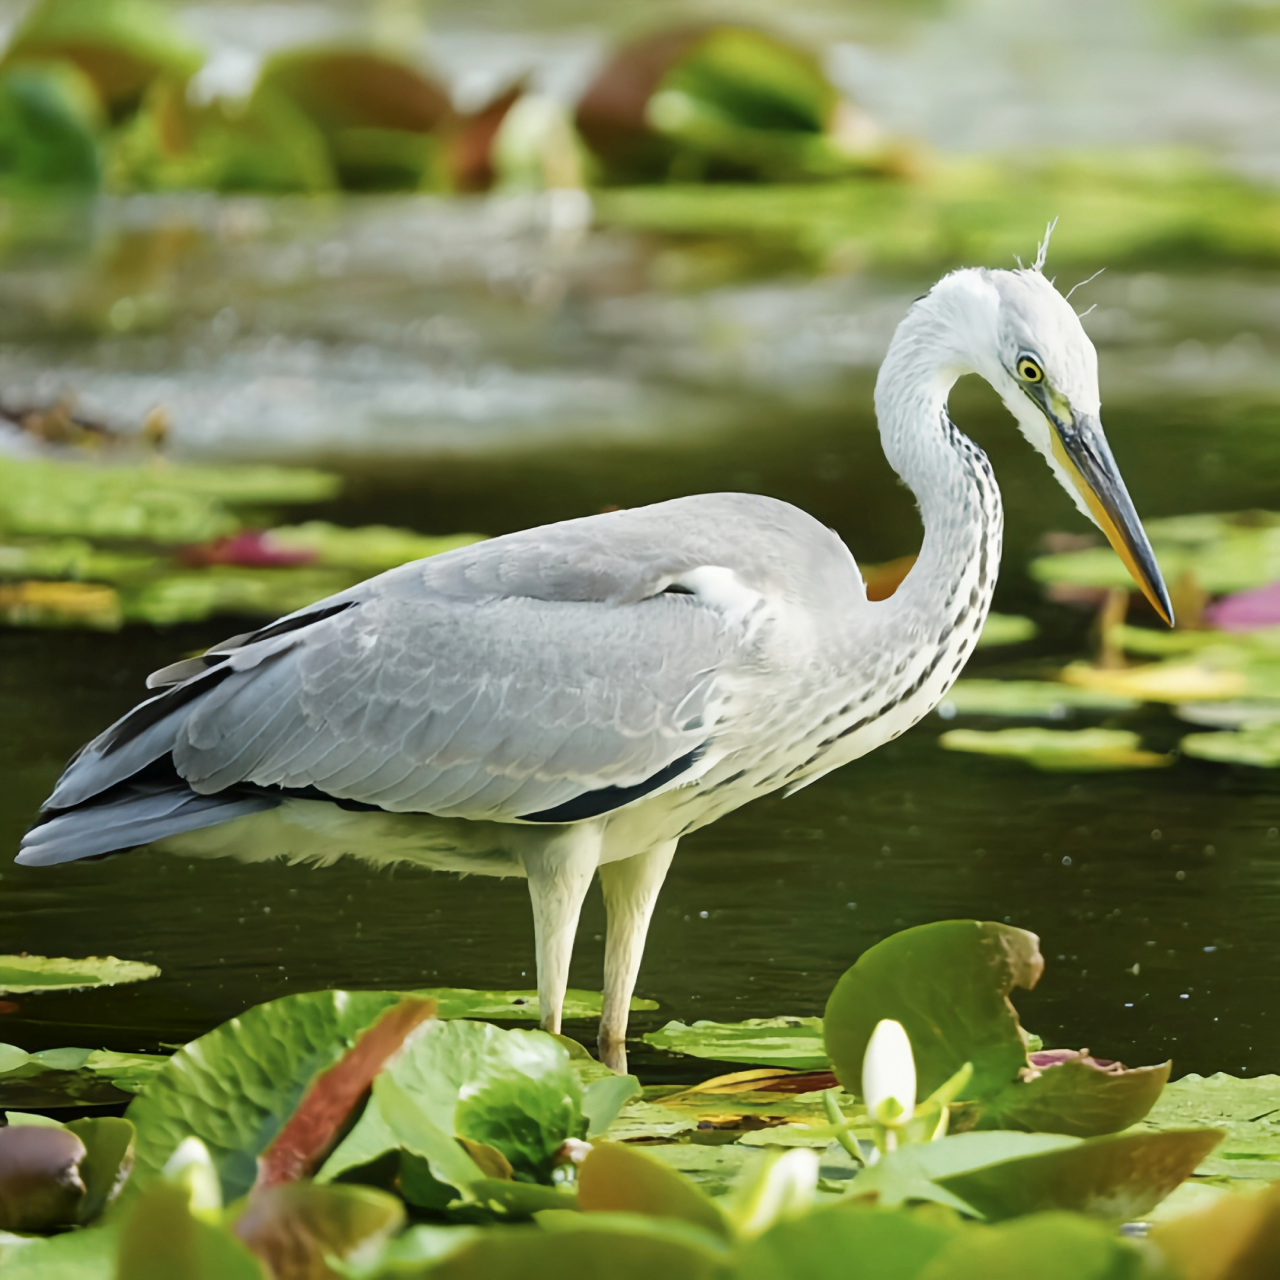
(1175, 871)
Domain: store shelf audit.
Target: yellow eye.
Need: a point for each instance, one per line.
(1029, 371)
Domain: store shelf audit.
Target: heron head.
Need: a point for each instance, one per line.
(1046, 371)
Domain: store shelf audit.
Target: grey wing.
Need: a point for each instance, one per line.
(415, 700)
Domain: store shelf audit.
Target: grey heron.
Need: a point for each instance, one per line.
(573, 699)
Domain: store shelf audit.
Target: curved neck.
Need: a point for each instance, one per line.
(948, 474)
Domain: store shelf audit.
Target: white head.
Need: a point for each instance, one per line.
(1014, 329)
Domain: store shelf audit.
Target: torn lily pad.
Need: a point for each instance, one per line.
(1029, 699)
(23, 974)
(948, 984)
(766, 1042)
(1059, 750)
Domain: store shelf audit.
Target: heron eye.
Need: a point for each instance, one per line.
(1029, 371)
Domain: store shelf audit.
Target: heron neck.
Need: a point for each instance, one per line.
(949, 475)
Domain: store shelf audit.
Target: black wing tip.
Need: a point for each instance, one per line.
(591, 804)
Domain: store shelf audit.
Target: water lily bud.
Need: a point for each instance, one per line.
(192, 1167)
(889, 1072)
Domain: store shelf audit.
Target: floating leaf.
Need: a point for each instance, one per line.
(1159, 681)
(49, 124)
(620, 1179)
(512, 1090)
(1250, 713)
(21, 974)
(1118, 1176)
(121, 45)
(1259, 748)
(161, 1238)
(369, 549)
(948, 984)
(60, 604)
(822, 1245)
(107, 1163)
(1006, 628)
(1049, 1246)
(781, 1042)
(376, 112)
(72, 1077)
(309, 1133)
(235, 1087)
(1032, 699)
(1248, 1111)
(263, 145)
(1059, 750)
(462, 1002)
(1071, 1092)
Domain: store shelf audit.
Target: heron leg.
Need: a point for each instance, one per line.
(559, 872)
(630, 891)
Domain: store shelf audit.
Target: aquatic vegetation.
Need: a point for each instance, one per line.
(261, 1149)
(24, 973)
(1067, 750)
(102, 545)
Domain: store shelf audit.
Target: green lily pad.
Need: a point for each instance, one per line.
(160, 1235)
(1248, 1110)
(766, 1042)
(1059, 750)
(619, 1179)
(164, 504)
(1244, 713)
(23, 974)
(51, 1078)
(514, 1091)
(1119, 1176)
(1049, 1246)
(1006, 628)
(369, 549)
(462, 1002)
(122, 45)
(949, 984)
(77, 1255)
(50, 122)
(888, 1245)
(1032, 699)
(1258, 748)
(236, 1086)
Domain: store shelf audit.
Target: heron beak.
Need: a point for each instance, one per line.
(1082, 450)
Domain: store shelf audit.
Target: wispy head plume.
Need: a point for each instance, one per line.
(1082, 283)
(1042, 252)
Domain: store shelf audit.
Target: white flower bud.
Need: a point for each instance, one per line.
(889, 1071)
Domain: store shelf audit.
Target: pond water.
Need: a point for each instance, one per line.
(1156, 894)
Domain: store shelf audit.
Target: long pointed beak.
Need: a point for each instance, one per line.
(1083, 452)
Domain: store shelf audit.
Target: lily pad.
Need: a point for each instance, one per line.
(619, 1179)
(1059, 750)
(1239, 1236)
(1160, 681)
(22, 974)
(1118, 1176)
(514, 1091)
(779, 1042)
(235, 1087)
(122, 45)
(50, 122)
(1006, 628)
(1248, 1110)
(1029, 699)
(462, 1002)
(1258, 748)
(52, 1078)
(949, 984)
(369, 549)
(1246, 713)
